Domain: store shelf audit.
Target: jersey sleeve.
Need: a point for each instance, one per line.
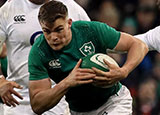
(107, 35)
(75, 11)
(82, 13)
(151, 38)
(36, 68)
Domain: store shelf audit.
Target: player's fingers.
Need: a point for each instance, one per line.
(12, 103)
(11, 100)
(99, 78)
(3, 99)
(85, 70)
(15, 85)
(85, 74)
(108, 64)
(16, 94)
(86, 81)
(6, 101)
(78, 64)
(98, 71)
(87, 77)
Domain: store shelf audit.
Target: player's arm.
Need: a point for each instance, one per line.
(43, 97)
(136, 50)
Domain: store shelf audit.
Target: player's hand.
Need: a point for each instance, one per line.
(114, 75)
(6, 91)
(79, 76)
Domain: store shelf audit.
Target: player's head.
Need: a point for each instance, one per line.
(51, 11)
(53, 18)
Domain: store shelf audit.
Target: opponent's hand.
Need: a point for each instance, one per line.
(79, 76)
(6, 91)
(104, 79)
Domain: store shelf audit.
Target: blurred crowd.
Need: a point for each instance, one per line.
(134, 17)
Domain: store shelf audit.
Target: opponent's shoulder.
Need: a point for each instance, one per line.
(10, 7)
(10, 3)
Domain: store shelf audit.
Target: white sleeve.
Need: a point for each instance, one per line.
(75, 11)
(151, 38)
(82, 13)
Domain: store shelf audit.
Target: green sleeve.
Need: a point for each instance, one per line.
(37, 70)
(107, 36)
(4, 66)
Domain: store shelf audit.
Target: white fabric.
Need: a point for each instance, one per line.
(151, 38)
(1, 109)
(24, 109)
(118, 104)
(18, 24)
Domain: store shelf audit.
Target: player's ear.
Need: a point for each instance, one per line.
(69, 22)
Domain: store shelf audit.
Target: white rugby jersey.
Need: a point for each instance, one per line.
(19, 27)
(151, 38)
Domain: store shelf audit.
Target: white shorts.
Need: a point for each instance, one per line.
(118, 104)
(1, 109)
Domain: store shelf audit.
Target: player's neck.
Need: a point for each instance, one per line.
(38, 2)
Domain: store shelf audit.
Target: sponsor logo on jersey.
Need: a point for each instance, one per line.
(87, 48)
(55, 63)
(19, 19)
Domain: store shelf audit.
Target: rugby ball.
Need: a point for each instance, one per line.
(96, 60)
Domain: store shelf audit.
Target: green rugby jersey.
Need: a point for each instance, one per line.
(87, 38)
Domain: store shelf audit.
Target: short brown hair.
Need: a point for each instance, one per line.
(51, 11)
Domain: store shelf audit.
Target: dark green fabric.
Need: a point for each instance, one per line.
(4, 66)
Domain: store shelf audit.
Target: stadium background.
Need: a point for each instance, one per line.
(134, 17)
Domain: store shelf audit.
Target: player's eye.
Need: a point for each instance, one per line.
(46, 31)
(59, 30)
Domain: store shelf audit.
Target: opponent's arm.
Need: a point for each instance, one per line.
(7, 87)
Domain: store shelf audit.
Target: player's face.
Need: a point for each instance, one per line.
(58, 34)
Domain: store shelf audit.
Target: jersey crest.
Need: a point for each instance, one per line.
(87, 48)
